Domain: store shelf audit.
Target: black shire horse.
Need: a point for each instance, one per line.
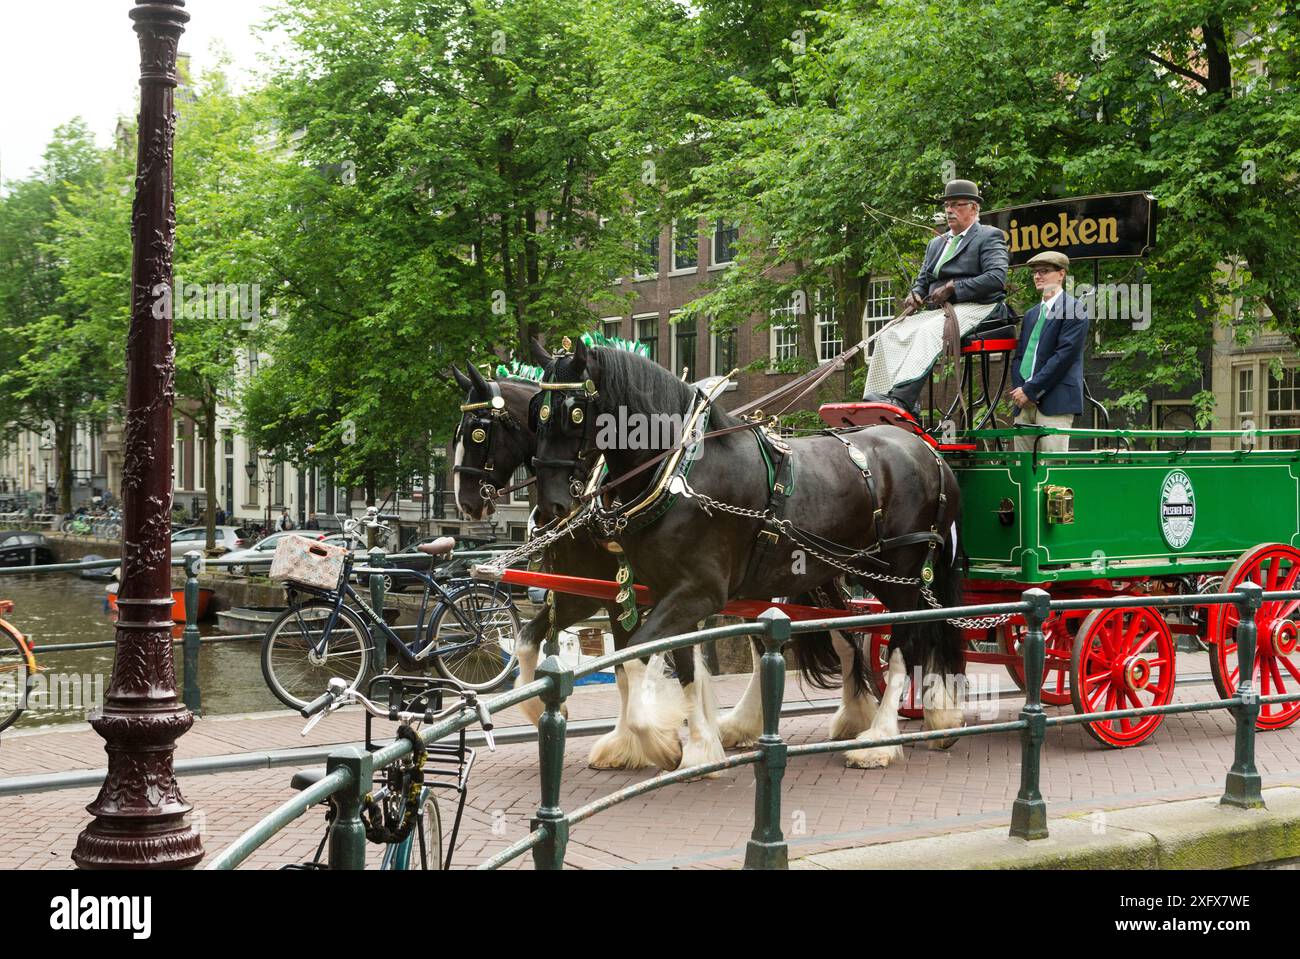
(492, 441)
(844, 493)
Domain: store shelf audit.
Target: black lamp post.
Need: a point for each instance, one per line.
(264, 456)
(140, 813)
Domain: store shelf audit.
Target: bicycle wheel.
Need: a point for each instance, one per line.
(295, 672)
(16, 669)
(405, 855)
(477, 647)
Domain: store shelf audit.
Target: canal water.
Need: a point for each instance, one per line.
(57, 609)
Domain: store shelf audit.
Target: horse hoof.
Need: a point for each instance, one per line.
(876, 758)
(735, 737)
(702, 752)
(847, 724)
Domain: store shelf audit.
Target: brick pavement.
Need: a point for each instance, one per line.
(693, 825)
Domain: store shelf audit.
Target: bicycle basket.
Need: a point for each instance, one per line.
(308, 562)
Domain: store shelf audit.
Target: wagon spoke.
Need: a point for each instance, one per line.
(1278, 685)
(1291, 668)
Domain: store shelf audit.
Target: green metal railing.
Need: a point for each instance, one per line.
(767, 847)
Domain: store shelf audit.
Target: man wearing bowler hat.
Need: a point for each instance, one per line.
(967, 264)
(1047, 368)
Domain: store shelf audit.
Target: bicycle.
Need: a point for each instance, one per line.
(403, 812)
(467, 636)
(17, 669)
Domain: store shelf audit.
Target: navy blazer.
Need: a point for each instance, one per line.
(978, 269)
(1057, 384)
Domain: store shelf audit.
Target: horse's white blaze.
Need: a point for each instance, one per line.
(650, 712)
(885, 723)
(703, 744)
(857, 706)
(743, 723)
(532, 708)
(940, 705)
(455, 473)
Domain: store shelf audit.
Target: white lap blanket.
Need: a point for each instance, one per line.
(905, 351)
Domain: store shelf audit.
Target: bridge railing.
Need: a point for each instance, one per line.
(350, 771)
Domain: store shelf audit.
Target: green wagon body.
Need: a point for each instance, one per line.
(1131, 511)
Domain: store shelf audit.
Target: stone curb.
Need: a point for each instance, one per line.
(1191, 834)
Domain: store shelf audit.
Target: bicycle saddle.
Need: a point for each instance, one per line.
(441, 545)
(305, 778)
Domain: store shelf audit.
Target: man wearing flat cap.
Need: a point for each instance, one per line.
(1047, 368)
(966, 265)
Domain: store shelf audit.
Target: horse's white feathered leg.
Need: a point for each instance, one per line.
(703, 744)
(857, 706)
(650, 712)
(743, 723)
(532, 708)
(885, 723)
(941, 705)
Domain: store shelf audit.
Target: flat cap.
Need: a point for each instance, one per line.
(1049, 258)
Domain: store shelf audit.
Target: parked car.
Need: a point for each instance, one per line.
(229, 538)
(20, 547)
(264, 549)
(455, 569)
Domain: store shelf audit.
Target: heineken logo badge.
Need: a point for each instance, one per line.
(1177, 509)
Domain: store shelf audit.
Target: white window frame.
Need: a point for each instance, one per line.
(637, 275)
(605, 322)
(774, 346)
(672, 251)
(820, 324)
(880, 293)
(676, 368)
(636, 331)
(713, 354)
(713, 246)
(1266, 420)
(178, 456)
(198, 461)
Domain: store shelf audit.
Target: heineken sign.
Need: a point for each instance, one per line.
(1177, 509)
(1083, 227)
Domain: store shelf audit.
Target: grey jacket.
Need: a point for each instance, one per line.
(978, 268)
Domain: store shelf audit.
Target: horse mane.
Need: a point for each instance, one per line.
(641, 385)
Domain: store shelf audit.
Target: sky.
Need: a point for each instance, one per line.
(73, 58)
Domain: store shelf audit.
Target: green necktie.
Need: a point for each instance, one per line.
(1027, 364)
(946, 255)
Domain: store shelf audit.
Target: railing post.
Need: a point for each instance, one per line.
(1029, 811)
(550, 748)
(191, 692)
(348, 835)
(767, 848)
(1243, 786)
(377, 590)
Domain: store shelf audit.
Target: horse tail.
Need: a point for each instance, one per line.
(946, 647)
(815, 653)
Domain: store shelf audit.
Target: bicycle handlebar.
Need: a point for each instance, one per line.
(338, 696)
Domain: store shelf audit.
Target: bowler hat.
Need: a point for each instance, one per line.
(961, 190)
(1050, 258)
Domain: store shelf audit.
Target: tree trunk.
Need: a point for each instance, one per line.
(63, 432)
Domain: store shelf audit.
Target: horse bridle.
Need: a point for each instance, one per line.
(572, 415)
(480, 430)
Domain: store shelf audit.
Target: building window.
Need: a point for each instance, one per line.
(830, 336)
(278, 498)
(200, 460)
(880, 308)
(1246, 392)
(178, 457)
(1284, 409)
(647, 253)
(686, 244)
(725, 235)
(519, 495)
(684, 339)
(252, 362)
(647, 331)
(785, 331)
(612, 326)
(255, 483)
(724, 352)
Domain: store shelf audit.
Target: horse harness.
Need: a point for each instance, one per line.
(483, 420)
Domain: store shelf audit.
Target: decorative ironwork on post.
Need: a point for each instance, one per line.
(140, 814)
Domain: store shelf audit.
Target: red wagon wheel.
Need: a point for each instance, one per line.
(1277, 658)
(1058, 635)
(1123, 659)
(878, 667)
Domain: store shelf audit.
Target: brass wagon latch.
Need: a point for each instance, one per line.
(1060, 504)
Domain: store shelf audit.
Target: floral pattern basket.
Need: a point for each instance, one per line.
(309, 562)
